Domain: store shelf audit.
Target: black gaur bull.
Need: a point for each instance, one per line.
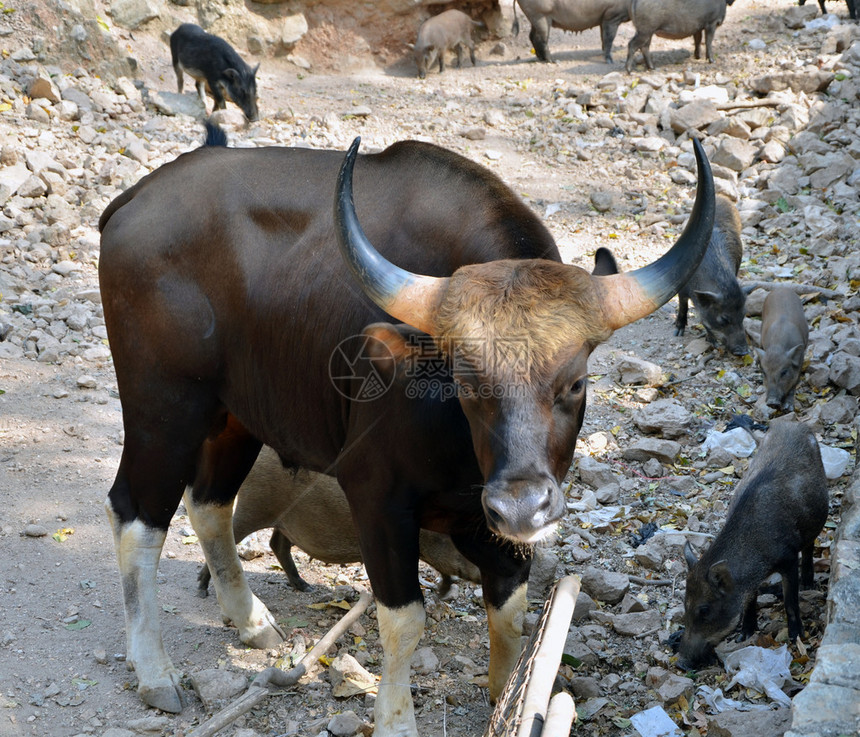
(228, 308)
(572, 15)
(852, 10)
(215, 67)
(448, 31)
(714, 288)
(777, 511)
(674, 19)
(309, 510)
(784, 337)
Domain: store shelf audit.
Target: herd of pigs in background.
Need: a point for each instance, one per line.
(785, 484)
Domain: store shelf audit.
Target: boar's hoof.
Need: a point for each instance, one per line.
(203, 578)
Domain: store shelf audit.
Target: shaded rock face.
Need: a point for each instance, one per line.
(71, 31)
(380, 31)
(365, 34)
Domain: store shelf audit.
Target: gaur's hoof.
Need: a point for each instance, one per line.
(268, 636)
(166, 696)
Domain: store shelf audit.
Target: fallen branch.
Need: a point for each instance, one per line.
(749, 286)
(646, 634)
(259, 689)
(642, 581)
(766, 102)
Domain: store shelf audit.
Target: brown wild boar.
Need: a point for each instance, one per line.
(777, 511)
(784, 337)
(309, 510)
(674, 19)
(448, 31)
(714, 289)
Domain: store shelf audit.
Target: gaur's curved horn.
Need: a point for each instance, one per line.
(408, 297)
(635, 294)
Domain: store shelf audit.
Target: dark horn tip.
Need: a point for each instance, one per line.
(349, 160)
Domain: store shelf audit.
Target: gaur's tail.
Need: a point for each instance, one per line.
(215, 136)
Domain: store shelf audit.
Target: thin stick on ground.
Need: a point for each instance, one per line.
(259, 689)
(748, 286)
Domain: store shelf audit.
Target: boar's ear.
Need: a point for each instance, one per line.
(255, 70)
(795, 355)
(232, 75)
(720, 577)
(708, 298)
(689, 555)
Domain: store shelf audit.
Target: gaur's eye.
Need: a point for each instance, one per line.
(570, 391)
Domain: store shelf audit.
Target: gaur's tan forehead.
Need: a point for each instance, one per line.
(502, 306)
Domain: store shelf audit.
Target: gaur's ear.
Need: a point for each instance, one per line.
(720, 577)
(393, 345)
(604, 262)
(689, 555)
(707, 298)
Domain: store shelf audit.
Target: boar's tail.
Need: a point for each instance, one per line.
(515, 28)
(215, 136)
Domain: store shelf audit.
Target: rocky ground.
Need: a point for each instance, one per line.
(605, 158)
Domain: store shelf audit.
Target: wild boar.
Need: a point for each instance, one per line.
(573, 15)
(674, 19)
(714, 288)
(215, 67)
(777, 511)
(852, 11)
(784, 337)
(447, 31)
(309, 510)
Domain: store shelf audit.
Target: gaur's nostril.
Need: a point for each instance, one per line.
(546, 503)
(494, 519)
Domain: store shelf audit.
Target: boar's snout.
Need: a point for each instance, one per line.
(736, 340)
(694, 651)
(775, 400)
